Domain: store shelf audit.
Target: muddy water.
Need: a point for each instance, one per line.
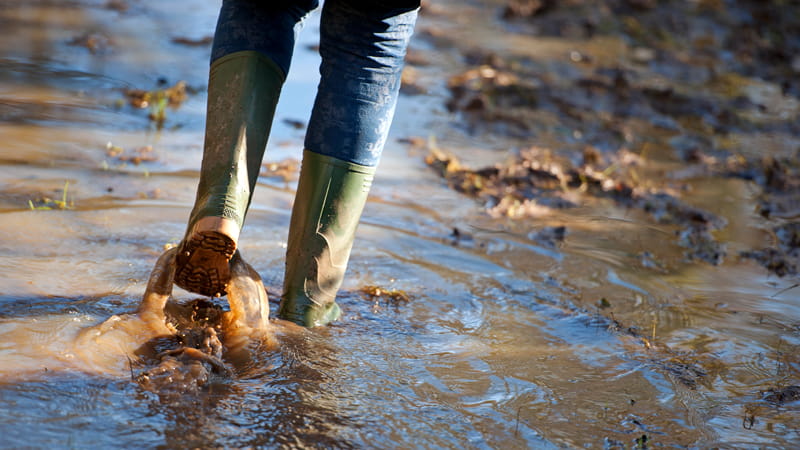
(502, 340)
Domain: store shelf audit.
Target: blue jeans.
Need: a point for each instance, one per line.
(362, 45)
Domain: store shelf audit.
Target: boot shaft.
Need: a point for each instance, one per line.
(331, 196)
(243, 92)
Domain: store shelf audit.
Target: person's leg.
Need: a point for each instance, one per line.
(251, 55)
(363, 46)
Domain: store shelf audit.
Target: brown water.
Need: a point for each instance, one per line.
(504, 341)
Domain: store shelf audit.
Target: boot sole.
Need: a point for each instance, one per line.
(203, 263)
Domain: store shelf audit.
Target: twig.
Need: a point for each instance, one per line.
(784, 290)
(130, 366)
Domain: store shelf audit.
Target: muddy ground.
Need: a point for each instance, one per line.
(702, 85)
(703, 92)
(584, 232)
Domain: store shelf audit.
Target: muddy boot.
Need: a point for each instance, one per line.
(330, 197)
(243, 90)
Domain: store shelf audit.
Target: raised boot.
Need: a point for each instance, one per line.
(331, 195)
(243, 91)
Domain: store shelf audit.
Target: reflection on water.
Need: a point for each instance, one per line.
(506, 341)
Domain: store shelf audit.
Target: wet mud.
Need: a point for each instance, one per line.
(675, 98)
(532, 183)
(209, 341)
(677, 94)
(779, 202)
(169, 347)
(158, 100)
(583, 234)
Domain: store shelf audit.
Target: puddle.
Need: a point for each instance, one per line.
(639, 289)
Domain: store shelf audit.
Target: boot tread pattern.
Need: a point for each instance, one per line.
(202, 263)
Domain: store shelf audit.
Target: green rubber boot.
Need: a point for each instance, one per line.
(243, 91)
(331, 195)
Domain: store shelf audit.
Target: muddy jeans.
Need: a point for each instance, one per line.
(362, 45)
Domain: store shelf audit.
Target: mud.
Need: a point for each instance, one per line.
(170, 347)
(761, 37)
(158, 100)
(203, 41)
(779, 200)
(600, 252)
(677, 79)
(685, 102)
(216, 340)
(533, 182)
(181, 363)
(208, 341)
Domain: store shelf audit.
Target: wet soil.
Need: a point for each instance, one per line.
(683, 101)
(630, 114)
(680, 104)
(583, 234)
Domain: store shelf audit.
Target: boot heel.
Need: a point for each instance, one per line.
(203, 263)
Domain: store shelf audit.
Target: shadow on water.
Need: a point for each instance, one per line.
(634, 286)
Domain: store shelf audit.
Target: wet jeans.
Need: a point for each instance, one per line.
(362, 45)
